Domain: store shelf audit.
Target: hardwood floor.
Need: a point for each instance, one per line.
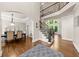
(66, 47)
(17, 48)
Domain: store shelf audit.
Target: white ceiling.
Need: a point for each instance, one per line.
(20, 9)
(15, 14)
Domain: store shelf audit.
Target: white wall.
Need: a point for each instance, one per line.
(31, 22)
(67, 27)
(29, 27)
(29, 9)
(20, 27)
(0, 35)
(76, 27)
(36, 18)
(70, 30)
(6, 26)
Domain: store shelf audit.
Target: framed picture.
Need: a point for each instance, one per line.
(36, 25)
(76, 21)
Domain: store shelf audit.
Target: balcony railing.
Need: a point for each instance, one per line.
(53, 8)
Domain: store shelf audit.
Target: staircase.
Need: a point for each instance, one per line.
(44, 33)
(58, 12)
(44, 29)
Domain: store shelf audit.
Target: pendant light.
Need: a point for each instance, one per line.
(12, 23)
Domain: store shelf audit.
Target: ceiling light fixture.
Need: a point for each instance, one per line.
(42, 3)
(12, 23)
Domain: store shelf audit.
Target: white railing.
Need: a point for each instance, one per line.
(43, 37)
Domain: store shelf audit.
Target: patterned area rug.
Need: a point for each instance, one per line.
(42, 51)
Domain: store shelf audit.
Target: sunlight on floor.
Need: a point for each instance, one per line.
(56, 42)
(0, 53)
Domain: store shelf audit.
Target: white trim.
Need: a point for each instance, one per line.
(64, 38)
(77, 48)
(35, 40)
(45, 40)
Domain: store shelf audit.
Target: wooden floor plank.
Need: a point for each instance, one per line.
(17, 48)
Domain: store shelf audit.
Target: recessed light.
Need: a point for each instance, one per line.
(42, 3)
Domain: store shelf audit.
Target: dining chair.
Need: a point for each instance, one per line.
(10, 35)
(19, 34)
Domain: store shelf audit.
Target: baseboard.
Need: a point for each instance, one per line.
(77, 48)
(35, 40)
(66, 39)
(41, 40)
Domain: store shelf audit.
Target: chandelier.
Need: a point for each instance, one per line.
(12, 21)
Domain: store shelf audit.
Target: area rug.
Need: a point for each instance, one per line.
(41, 51)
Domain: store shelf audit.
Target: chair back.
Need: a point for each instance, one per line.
(19, 34)
(10, 35)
